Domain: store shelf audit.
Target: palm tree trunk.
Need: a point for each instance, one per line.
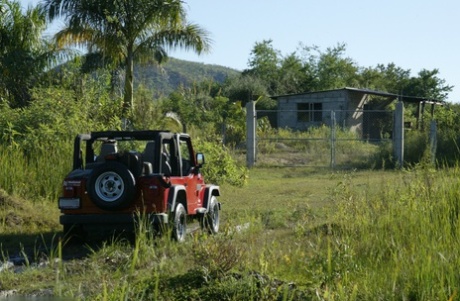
(116, 80)
(128, 103)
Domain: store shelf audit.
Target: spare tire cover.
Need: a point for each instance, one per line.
(111, 186)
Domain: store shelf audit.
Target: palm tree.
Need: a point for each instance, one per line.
(124, 31)
(23, 53)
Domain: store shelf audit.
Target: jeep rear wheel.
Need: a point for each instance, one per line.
(111, 186)
(179, 230)
(211, 220)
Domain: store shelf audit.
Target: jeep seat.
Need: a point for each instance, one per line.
(165, 165)
(132, 160)
(107, 148)
(149, 152)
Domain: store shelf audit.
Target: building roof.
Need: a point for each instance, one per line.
(403, 98)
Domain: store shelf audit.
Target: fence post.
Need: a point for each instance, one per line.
(433, 140)
(398, 137)
(251, 119)
(333, 125)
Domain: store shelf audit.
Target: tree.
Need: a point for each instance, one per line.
(388, 78)
(264, 64)
(428, 85)
(244, 88)
(294, 77)
(23, 54)
(126, 31)
(393, 79)
(330, 69)
(310, 70)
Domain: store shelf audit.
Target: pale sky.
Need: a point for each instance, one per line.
(412, 34)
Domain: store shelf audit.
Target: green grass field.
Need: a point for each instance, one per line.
(289, 234)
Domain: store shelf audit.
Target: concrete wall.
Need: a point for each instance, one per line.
(331, 101)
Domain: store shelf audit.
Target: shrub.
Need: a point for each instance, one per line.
(220, 167)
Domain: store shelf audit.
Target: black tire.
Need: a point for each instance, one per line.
(179, 229)
(111, 186)
(211, 220)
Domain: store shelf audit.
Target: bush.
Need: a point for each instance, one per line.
(220, 167)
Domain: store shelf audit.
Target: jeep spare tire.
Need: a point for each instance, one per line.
(111, 186)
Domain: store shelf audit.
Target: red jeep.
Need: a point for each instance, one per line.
(119, 176)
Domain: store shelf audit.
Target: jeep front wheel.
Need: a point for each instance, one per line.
(111, 186)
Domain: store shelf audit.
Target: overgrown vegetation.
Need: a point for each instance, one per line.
(289, 233)
(344, 236)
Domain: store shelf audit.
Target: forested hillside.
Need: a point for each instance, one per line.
(166, 78)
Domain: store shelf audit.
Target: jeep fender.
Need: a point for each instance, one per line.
(211, 190)
(176, 192)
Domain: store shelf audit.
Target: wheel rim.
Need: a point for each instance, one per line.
(181, 227)
(215, 217)
(109, 186)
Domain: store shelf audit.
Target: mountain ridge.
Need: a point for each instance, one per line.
(169, 76)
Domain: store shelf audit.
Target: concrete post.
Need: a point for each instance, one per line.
(251, 119)
(333, 139)
(398, 137)
(433, 141)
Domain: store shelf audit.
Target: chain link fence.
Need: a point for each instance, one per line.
(338, 139)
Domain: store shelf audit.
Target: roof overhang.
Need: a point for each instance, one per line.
(403, 98)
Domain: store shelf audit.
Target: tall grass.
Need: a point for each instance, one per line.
(35, 175)
(401, 244)
(313, 147)
(396, 242)
(290, 234)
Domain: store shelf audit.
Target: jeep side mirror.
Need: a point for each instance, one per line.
(200, 159)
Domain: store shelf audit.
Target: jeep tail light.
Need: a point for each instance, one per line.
(69, 203)
(70, 188)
